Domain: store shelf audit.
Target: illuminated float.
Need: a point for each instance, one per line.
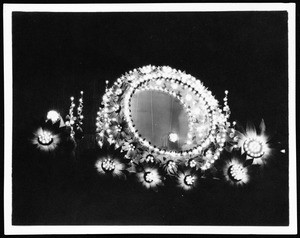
(167, 123)
(158, 124)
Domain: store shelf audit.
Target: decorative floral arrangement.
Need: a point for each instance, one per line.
(210, 136)
(214, 147)
(53, 131)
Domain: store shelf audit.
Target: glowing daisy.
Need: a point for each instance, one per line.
(45, 140)
(150, 177)
(254, 144)
(110, 166)
(187, 180)
(235, 173)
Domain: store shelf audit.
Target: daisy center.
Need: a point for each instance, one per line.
(237, 172)
(189, 180)
(254, 147)
(45, 138)
(108, 165)
(149, 177)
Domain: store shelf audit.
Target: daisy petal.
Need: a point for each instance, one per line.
(262, 127)
(250, 129)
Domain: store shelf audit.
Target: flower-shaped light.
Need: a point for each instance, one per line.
(45, 140)
(235, 173)
(112, 162)
(254, 144)
(150, 178)
(107, 165)
(254, 147)
(186, 180)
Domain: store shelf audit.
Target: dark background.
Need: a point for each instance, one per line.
(55, 55)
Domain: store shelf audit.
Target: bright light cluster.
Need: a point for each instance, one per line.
(186, 180)
(108, 165)
(149, 177)
(255, 144)
(53, 116)
(254, 147)
(45, 138)
(72, 118)
(173, 137)
(237, 172)
(209, 131)
(189, 180)
(207, 122)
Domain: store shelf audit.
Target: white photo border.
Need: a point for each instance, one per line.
(8, 9)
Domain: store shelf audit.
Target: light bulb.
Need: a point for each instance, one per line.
(53, 116)
(173, 137)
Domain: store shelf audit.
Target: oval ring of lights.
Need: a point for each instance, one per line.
(207, 122)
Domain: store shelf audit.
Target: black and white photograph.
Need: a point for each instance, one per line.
(149, 118)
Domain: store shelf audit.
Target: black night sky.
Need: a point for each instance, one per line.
(55, 55)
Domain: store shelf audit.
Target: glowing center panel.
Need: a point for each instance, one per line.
(163, 112)
(160, 119)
